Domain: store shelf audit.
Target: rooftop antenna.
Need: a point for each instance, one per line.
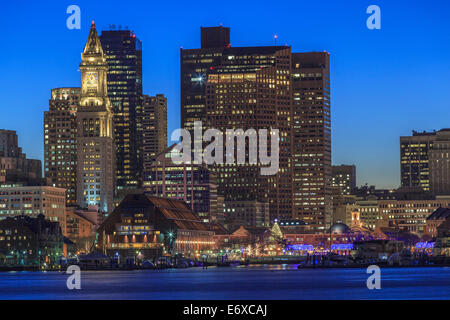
(275, 37)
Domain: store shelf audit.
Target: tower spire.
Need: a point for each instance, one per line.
(93, 45)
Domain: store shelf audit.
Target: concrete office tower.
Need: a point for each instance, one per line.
(344, 177)
(95, 144)
(14, 165)
(312, 139)
(123, 52)
(60, 141)
(153, 128)
(415, 159)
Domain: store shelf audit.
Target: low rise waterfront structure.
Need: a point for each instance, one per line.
(437, 218)
(31, 241)
(81, 228)
(151, 226)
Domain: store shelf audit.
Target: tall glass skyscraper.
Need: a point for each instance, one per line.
(123, 52)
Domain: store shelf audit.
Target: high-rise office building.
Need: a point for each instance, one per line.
(195, 64)
(344, 177)
(241, 88)
(266, 87)
(244, 95)
(95, 135)
(440, 163)
(153, 125)
(415, 159)
(123, 52)
(14, 165)
(311, 129)
(60, 141)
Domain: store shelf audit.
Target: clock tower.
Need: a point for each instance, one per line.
(95, 141)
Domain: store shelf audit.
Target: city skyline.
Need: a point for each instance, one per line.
(364, 69)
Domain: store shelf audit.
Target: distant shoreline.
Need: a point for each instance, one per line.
(300, 267)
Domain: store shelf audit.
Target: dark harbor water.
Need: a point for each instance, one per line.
(252, 282)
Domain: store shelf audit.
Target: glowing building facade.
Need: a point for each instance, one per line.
(415, 159)
(266, 88)
(60, 141)
(344, 177)
(95, 135)
(311, 154)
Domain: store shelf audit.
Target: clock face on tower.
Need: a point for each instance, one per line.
(91, 78)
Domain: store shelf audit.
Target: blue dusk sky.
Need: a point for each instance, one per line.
(384, 83)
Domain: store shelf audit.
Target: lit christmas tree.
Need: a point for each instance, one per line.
(276, 234)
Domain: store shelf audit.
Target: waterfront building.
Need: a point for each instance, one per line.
(366, 207)
(434, 220)
(414, 159)
(254, 239)
(123, 53)
(153, 226)
(410, 215)
(60, 141)
(81, 228)
(442, 245)
(31, 201)
(343, 213)
(31, 241)
(344, 177)
(95, 144)
(339, 238)
(192, 183)
(153, 128)
(14, 165)
(369, 213)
